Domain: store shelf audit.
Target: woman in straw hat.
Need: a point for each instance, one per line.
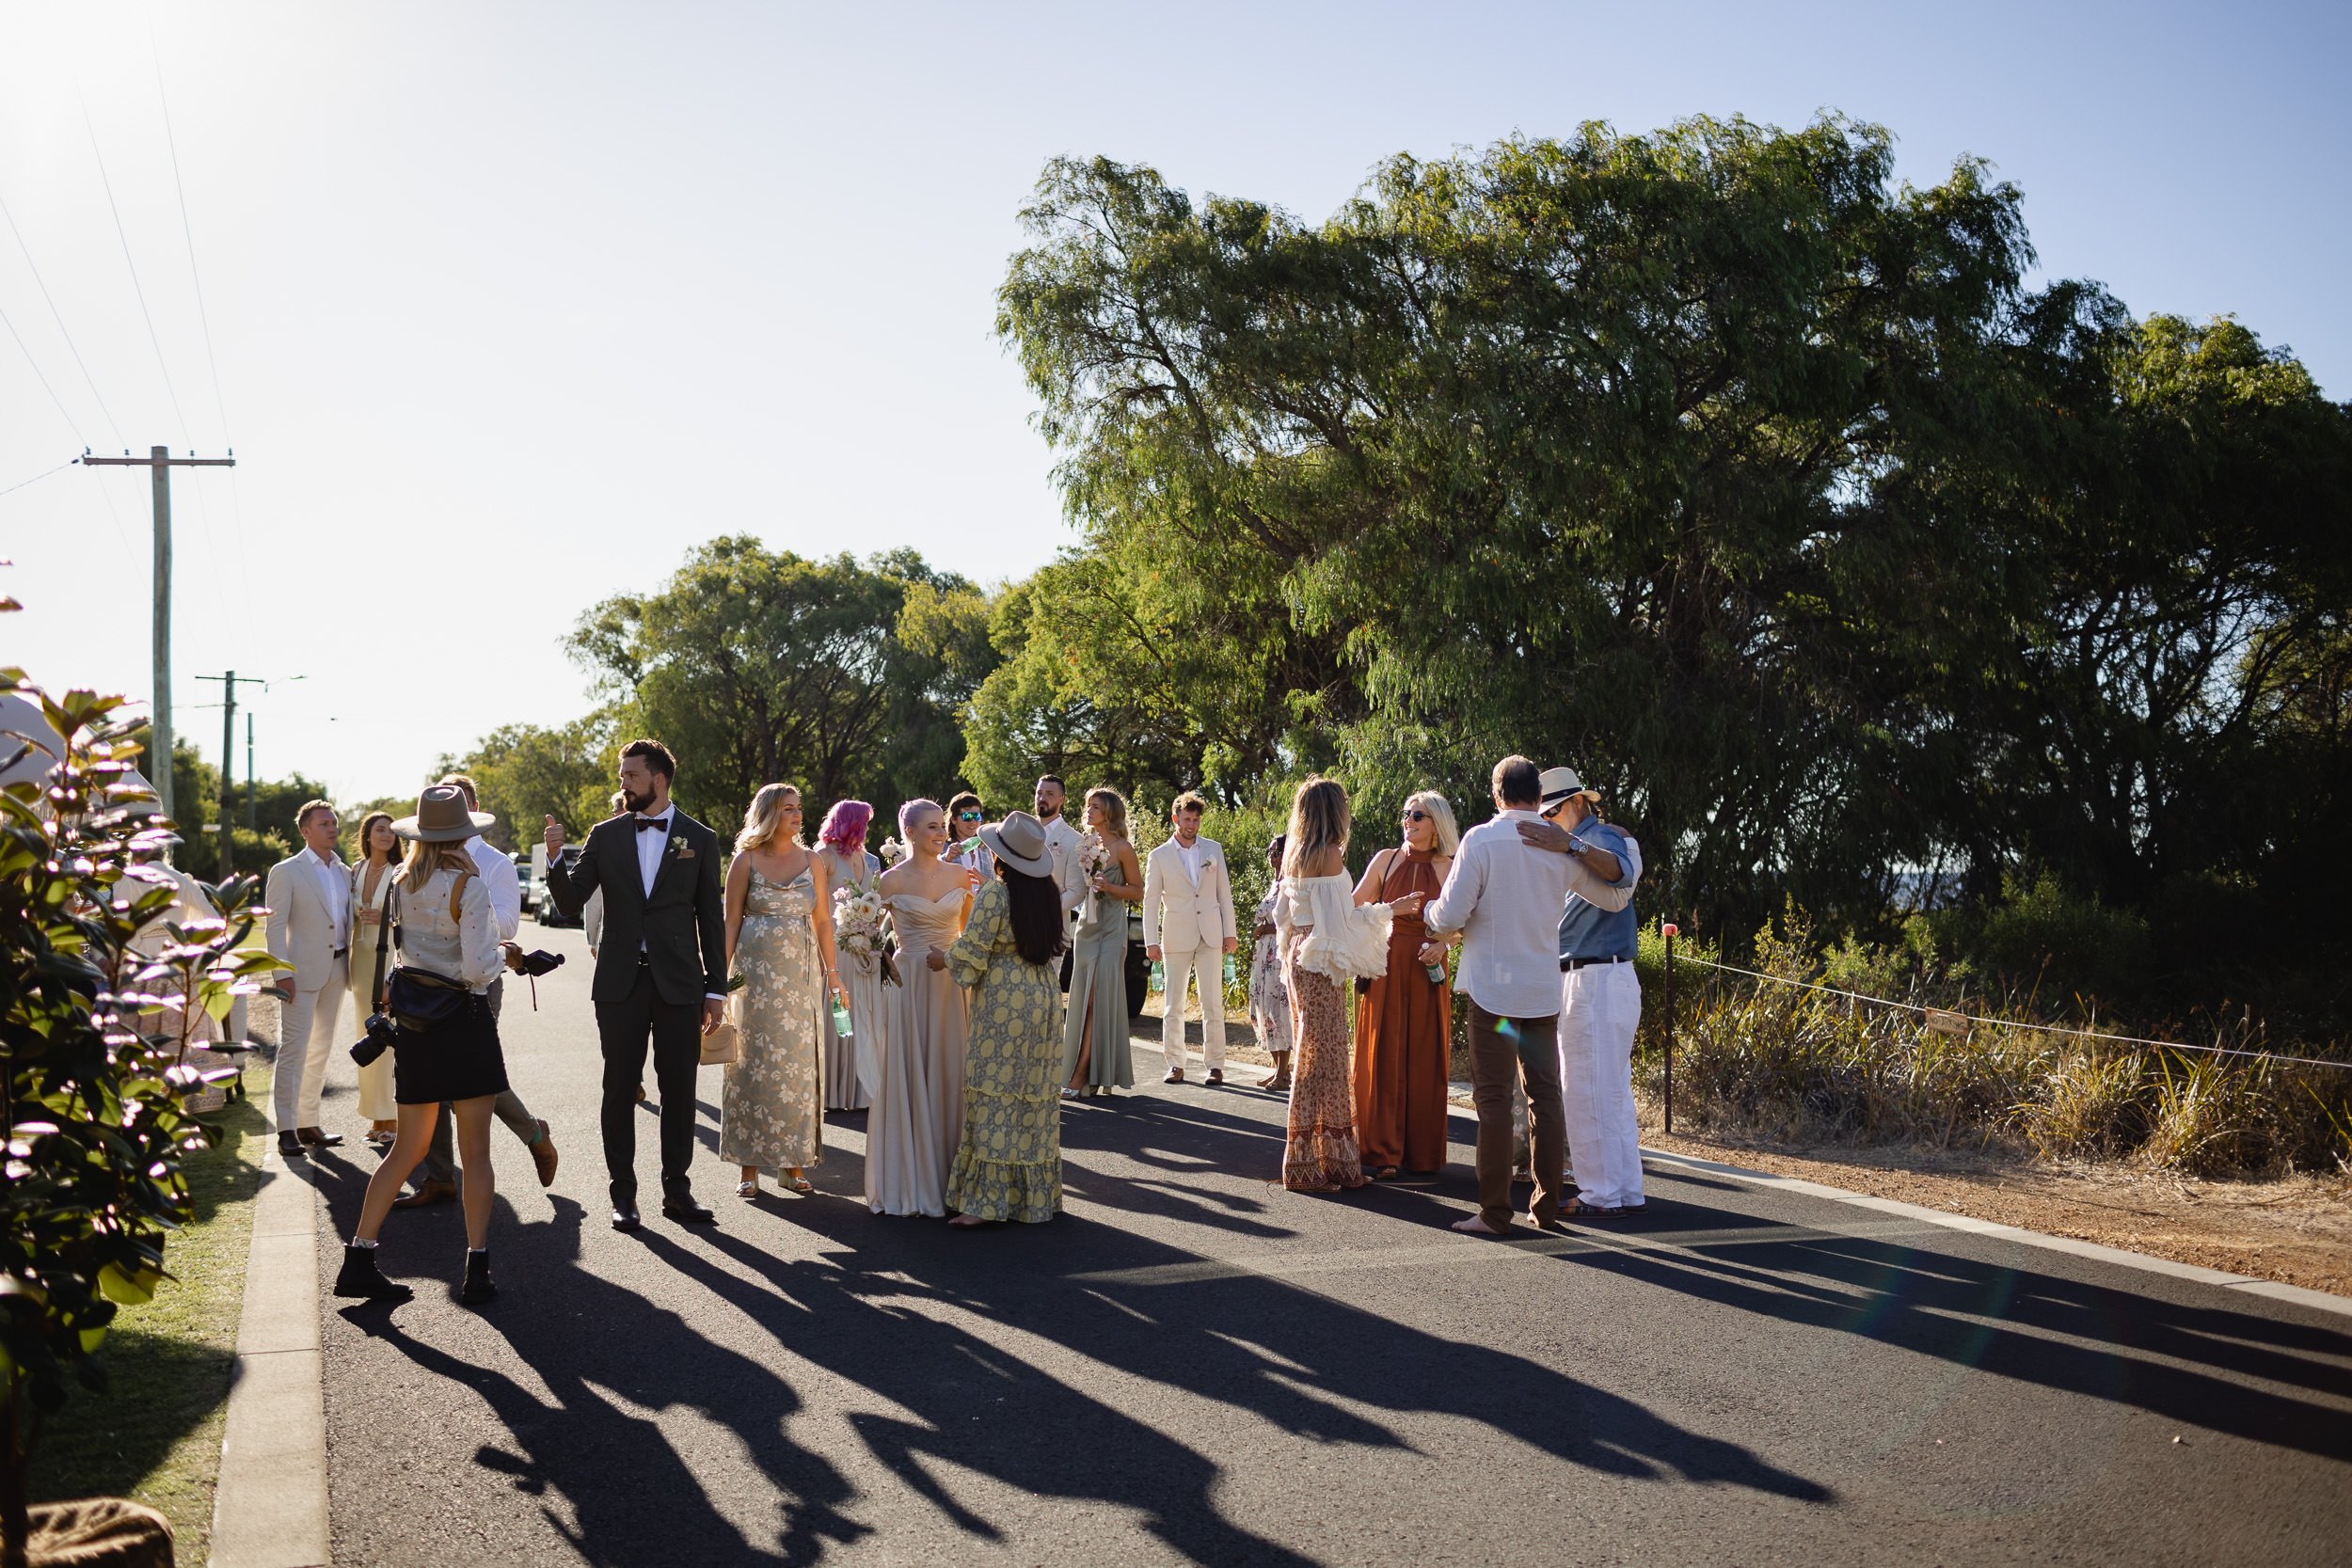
(443, 913)
(1007, 1163)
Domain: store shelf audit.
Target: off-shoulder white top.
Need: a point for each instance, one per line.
(1349, 940)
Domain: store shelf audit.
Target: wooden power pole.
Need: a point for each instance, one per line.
(160, 460)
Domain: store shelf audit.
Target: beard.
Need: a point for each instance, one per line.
(635, 801)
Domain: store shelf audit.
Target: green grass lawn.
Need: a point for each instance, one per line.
(156, 1435)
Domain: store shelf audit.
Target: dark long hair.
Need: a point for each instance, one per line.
(1037, 923)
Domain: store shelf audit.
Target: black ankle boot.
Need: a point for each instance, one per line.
(477, 1287)
(360, 1277)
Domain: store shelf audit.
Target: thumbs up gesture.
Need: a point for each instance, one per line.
(554, 837)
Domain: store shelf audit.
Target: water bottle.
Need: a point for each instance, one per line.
(840, 1019)
(1159, 975)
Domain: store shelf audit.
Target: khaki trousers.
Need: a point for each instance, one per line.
(1504, 1052)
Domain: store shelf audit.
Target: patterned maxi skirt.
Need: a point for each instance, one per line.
(1321, 1155)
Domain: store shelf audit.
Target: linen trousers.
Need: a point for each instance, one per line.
(1505, 1051)
(306, 1036)
(1599, 1005)
(1203, 967)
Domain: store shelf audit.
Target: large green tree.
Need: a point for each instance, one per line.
(1757, 484)
(759, 666)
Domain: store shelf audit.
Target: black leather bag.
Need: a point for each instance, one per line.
(421, 999)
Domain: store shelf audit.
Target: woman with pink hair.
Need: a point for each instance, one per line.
(841, 845)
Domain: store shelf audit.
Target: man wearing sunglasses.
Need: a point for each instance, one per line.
(1600, 1000)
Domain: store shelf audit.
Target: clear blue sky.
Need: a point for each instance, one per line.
(511, 304)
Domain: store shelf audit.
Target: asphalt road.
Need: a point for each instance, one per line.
(1194, 1366)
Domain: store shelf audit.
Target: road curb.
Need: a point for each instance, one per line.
(2301, 1295)
(270, 1507)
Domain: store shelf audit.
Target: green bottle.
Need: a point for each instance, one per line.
(840, 1019)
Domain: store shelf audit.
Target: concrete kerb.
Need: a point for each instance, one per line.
(1458, 1094)
(270, 1507)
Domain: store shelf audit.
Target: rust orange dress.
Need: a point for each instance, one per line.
(1402, 1035)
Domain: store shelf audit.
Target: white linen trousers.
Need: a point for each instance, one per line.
(1599, 1005)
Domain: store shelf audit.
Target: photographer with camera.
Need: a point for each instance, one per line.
(443, 1036)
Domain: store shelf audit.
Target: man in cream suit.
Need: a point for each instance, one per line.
(1188, 926)
(309, 927)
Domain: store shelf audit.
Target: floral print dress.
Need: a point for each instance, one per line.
(1007, 1165)
(767, 1104)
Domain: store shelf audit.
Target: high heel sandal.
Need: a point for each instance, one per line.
(747, 1190)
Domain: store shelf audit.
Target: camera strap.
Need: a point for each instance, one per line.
(383, 939)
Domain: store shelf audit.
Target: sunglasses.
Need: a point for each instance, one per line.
(967, 816)
(1417, 817)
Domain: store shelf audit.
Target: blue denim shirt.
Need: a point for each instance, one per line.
(1587, 929)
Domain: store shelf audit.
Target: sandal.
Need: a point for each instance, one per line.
(1577, 1208)
(800, 1184)
(747, 1190)
(1385, 1173)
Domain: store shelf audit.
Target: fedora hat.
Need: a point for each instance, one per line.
(1019, 841)
(1561, 783)
(442, 818)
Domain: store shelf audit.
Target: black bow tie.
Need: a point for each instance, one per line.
(644, 822)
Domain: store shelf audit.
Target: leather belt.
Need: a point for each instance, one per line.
(1567, 964)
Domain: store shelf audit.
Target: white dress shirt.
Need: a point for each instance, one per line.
(1505, 897)
(1066, 845)
(1190, 855)
(650, 845)
(497, 870)
(334, 880)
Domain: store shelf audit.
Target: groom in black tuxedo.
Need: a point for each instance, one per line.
(661, 969)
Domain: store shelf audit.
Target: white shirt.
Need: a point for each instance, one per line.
(650, 845)
(497, 870)
(334, 880)
(1505, 897)
(1066, 845)
(1190, 855)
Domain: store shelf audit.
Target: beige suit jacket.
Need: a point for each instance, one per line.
(301, 927)
(1177, 915)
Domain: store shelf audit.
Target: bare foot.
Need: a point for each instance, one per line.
(967, 1221)
(1475, 1227)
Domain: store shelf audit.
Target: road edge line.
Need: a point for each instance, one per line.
(2276, 1289)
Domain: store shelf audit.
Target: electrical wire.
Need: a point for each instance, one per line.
(37, 375)
(121, 233)
(39, 477)
(58, 317)
(2010, 1022)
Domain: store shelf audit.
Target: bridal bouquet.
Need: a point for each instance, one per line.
(861, 924)
(1095, 858)
(893, 851)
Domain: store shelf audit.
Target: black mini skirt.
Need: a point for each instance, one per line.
(460, 1060)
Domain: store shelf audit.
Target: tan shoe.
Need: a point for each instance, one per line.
(427, 1195)
(542, 1155)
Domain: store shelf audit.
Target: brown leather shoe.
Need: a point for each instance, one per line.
(427, 1195)
(543, 1155)
(316, 1138)
(1175, 1077)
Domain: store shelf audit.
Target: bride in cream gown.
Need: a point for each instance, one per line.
(917, 1114)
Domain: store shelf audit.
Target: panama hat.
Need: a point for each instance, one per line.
(1019, 841)
(442, 818)
(1561, 783)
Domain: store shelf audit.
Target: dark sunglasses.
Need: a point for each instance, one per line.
(1417, 817)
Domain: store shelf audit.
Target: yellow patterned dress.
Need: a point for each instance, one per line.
(1008, 1163)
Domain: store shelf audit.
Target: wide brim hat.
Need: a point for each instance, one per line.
(1561, 783)
(441, 817)
(1019, 841)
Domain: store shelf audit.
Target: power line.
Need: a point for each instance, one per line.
(124, 236)
(187, 233)
(58, 317)
(69, 419)
(39, 477)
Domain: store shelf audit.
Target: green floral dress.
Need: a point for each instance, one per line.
(1008, 1164)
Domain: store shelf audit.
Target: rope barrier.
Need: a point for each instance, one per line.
(2012, 1024)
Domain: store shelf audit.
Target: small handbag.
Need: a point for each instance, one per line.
(723, 1045)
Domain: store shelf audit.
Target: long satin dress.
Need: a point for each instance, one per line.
(860, 977)
(1402, 1025)
(375, 1079)
(769, 1096)
(1098, 975)
(917, 1116)
(1008, 1164)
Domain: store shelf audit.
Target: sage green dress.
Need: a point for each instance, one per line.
(1098, 972)
(1007, 1163)
(769, 1097)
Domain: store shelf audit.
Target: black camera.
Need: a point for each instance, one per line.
(377, 1040)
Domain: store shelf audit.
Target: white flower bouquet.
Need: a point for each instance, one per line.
(1095, 858)
(861, 926)
(893, 851)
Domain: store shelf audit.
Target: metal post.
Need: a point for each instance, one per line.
(1670, 1030)
(159, 742)
(249, 820)
(228, 775)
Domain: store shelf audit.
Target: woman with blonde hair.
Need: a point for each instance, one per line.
(1328, 942)
(779, 933)
(1095, 1055)
(1405, 1014)
(373, 869)
(445, 1042)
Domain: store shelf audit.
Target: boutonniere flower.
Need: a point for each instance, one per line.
(681, 849)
